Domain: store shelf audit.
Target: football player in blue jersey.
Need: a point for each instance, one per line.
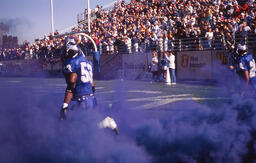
(79, 78)
(246, 65)
(80, 85)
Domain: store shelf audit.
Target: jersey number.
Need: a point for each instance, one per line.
(86, 72)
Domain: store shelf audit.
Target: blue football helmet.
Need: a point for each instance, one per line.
(241, 50)
(72, 49)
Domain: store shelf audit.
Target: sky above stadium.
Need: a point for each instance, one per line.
(30, 19)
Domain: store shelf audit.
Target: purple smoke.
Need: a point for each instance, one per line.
(31, 131)
(186, 132)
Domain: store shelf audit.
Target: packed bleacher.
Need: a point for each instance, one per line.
(162, 25)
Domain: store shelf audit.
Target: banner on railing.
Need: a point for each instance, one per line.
(134, 65)
(194, 65)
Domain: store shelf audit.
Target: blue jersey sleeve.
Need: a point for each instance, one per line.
(70, 66)
(247, 63)
(243, 64)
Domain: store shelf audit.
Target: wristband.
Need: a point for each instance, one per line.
(65, 105)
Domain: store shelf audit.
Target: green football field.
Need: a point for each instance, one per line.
(142, 95)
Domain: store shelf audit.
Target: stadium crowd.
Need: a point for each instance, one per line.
(159, 25)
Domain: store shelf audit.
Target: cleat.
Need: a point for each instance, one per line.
(109, 122)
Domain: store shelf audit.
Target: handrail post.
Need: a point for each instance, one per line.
(179, 44)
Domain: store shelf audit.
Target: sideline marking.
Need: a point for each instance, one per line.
(15, 81)
(145, 91)
(154, 102)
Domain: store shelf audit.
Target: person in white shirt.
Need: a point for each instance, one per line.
(111, 45)
(244, 28)
(128, 43)
(171, 60)
(209, 36)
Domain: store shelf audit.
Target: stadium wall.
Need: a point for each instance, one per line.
(194, 65)
(135, 66)
(190, 65)
(32, 67)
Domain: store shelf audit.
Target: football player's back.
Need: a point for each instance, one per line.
(84, 76)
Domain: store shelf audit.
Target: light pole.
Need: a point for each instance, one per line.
(89, 15)
(52, 24)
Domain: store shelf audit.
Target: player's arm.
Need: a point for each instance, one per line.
(93, 86)
(245, 72)
(246, 76)
(71, 85)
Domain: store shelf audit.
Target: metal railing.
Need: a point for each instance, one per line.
(82, 18)
(177, 45)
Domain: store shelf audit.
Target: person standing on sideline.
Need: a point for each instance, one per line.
(171, 60)
(165, 64)
(154, 66)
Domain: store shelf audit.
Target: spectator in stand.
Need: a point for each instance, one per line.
(166, 43)
(111, 45)
(119, 44)
(56, 32)
(135, 42)
(161, 43)
(209, 36)
(128, 43)
(244, 29)
(156, 23)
